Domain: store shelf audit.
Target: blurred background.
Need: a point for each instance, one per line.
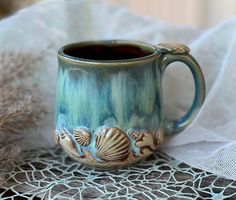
(196, 13)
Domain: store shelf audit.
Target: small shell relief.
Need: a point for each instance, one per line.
(82, 137)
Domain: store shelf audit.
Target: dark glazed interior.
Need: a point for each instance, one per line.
(112, 51)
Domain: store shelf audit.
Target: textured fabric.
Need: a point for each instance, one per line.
(209, 143)
(50, 174)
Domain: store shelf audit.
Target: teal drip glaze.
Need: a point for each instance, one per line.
(117, 97)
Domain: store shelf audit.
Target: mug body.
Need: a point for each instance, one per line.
(109, 102)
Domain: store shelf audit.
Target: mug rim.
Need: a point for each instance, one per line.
(72, 59)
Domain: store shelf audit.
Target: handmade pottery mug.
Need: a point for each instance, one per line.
(109, 103)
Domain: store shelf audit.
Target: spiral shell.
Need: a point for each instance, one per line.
(56, 137)
(63, 133)
(159, 136)
(66, 139)
(112, 144)
(82, 136)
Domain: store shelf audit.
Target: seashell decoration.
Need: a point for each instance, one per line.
(137, 136)
(147, 140)
(63, 133)
(56, 137)
(112, 144)
(159, 136)
(82, 137)
(66, 140)
(173, 48)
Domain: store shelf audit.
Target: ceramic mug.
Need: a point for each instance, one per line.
(109, 102)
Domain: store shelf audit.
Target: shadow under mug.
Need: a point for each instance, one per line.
(109, 102)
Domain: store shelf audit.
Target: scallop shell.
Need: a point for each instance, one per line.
(173, 48)
(112, 144)
(82, 136)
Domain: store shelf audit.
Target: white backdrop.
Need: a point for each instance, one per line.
(197, 13)
(209, 143)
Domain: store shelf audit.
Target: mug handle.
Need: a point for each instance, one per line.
(178, 52)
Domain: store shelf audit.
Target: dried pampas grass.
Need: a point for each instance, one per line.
(19, 106)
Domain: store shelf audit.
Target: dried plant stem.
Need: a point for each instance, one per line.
(20, 106)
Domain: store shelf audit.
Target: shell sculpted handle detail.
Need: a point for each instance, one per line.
(178, 52)
(173, 48)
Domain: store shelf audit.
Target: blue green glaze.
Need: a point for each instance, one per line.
(127, 97)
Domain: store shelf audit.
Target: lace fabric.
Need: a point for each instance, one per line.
(50, 174)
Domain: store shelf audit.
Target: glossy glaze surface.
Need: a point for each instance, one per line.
(109, 100)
